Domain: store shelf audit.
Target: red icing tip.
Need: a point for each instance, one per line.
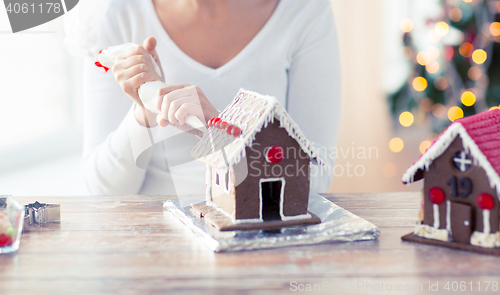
(100, 51)
(106, 69)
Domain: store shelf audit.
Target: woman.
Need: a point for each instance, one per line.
(284, 48)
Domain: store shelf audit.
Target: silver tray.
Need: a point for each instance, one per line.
(337, 225)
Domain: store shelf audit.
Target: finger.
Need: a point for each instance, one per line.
(150, 46)
(134, 50)
(162, 122)
(164, 91)
(173, 100)
(188, 109)
(139, 80)
(132, 72)
(135, 60)
(175, 105)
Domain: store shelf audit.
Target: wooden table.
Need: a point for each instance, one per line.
(128, 245)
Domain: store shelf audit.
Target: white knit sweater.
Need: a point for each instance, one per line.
(294, 58)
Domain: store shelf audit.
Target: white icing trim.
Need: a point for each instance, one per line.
(429, 232)
(435, 209)
(442, 144)
(282, 194)
(296, 217)
(247, 220)
(485, 240)
(486, 221)
(208, 183)
(448, 216)
(245, 105)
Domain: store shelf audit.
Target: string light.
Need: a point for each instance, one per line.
(420, 84)
(455, 113)
(455, 14)
(468, 1)
(441, 83)
(432, 67)
(406, 25)
(433, 52)
(474, 73)
(468, 98)
(438, 110)
(396, 145)
(479, 56)
(442, 29)
(406, 119)
(426, 105)
(424, 145)
(495, 28)
(423, 58)
(466, 49)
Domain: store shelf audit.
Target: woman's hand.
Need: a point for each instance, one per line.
(135, 67)
(175, 102)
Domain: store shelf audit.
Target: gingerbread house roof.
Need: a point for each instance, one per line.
(250, 112)
(481, 139)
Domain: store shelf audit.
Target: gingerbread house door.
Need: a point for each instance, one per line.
(461, 222)
(271, 198)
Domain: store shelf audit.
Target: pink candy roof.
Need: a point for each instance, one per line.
(480, 135)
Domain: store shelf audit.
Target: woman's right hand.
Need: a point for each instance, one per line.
(134, 67)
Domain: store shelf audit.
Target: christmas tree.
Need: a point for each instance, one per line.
(455, 64)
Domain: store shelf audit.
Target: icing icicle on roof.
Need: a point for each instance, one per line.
(250, 112)
(480, 136)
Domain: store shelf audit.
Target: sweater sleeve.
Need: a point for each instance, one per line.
(314, 89)
(112, 137)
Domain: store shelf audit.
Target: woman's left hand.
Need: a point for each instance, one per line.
(175, 102)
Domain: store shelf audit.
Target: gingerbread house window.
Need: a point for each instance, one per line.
(462, 161)
(226, 181)
(217, 178)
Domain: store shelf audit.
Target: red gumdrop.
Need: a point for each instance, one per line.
(4, 238)
(229, 129)
(436, 195)
(485, 201)
(236, 131)
(216, 122)
(9, 241)
(223, 125)
(274, 154)
(210, 122)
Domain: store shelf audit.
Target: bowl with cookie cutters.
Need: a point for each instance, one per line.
(11, 224)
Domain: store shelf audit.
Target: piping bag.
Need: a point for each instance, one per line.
(147, 91)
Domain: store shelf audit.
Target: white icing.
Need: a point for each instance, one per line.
(208, 183)
(435, 209)
(486, 221)
(429, 232)
(448, 216)
(485, 240)
(251, 112)
(442, 144)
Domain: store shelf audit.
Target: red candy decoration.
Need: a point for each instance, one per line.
(211, 122)
(436, 195)
(236, 131)
(274, 154)
(5, 240)
(106, 69)
(485, 201)
(229, 129)
(223, 125)
(216, 122)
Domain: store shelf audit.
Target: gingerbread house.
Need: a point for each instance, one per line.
(462, 184)
(257, 163)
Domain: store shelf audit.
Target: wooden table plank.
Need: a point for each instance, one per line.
(129, 245)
